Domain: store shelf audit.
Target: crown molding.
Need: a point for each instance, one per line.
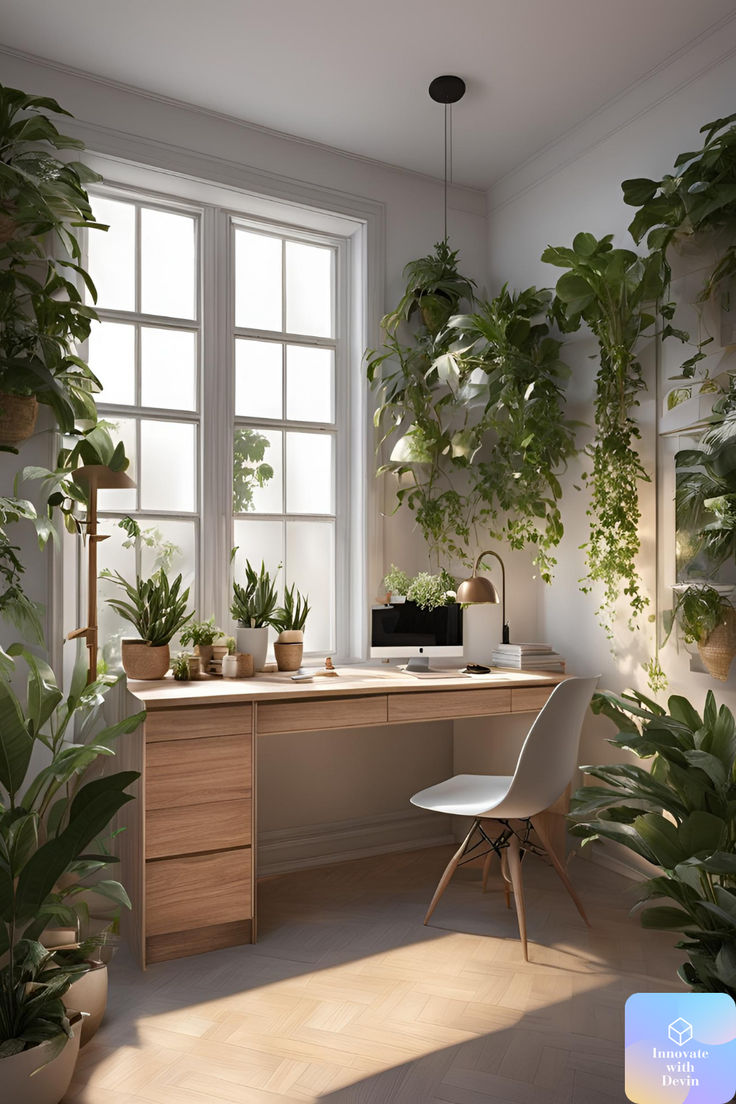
(710, 49)
(463, 197)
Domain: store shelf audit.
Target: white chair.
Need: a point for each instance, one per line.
(502, 806)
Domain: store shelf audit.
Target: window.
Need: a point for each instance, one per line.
(225, 366)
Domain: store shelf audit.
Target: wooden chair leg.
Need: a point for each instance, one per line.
(540, 827)
(506, 878)
(449, 871)
(486, 868)
(514, 864)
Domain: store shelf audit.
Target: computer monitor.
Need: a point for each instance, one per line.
(404, 631)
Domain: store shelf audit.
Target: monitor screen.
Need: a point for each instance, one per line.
(408, 627)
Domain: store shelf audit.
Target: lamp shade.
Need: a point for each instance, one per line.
(476, 591)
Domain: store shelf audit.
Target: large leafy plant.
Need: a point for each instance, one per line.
(156, 608)
(613, 291)
(680, 816)
(43, 202)
(51, 818)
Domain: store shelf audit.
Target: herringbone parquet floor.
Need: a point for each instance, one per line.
(348, 999)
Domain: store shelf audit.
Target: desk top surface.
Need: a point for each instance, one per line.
(349, 682)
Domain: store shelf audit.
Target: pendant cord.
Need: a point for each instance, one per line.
(448, 155)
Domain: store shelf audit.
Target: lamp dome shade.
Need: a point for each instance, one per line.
(477, 590)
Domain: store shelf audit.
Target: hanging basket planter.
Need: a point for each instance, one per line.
(719, 648)
(18, 415)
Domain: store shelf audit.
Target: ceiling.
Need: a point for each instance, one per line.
(355, 76)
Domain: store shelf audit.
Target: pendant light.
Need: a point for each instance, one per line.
(447, 90)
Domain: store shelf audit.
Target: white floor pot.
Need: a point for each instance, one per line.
(89, 995)
(47, 1086)
(254, 641)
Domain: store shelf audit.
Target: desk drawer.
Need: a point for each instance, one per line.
(448, 704)
(218, 826)
(312, 716)
(198, 891)
(529, 699)
(199, 720)
(199, 772)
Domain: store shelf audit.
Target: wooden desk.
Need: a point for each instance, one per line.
(188, 852)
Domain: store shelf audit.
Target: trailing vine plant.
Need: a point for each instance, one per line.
(612, 291)
(473, 412)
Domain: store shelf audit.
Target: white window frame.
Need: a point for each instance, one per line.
(359, 242)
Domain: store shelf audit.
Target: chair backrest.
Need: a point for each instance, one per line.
(549, 755)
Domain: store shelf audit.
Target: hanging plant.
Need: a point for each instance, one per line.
(699, 196)
(611, 290)
(515, 441)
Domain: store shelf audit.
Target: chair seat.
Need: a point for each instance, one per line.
(465, 794)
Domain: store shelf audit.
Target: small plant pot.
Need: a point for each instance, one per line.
(18, 415)
(718, 650)
(288, 656)
(89, 995)
(291, 636)
(193, 663)
(23, 1085)
(204, 651)
(239, 665)
(397, 599)
(255, 642)
(141, 661)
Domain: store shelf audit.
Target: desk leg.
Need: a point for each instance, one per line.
(254, 828)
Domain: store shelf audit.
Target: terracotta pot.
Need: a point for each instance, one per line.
(719, 648)
(141, 661)
(288, 656)
(89, 995)
(49, 1084)
(255, 642)
(239, 665)
(204, 651)
(18, 415)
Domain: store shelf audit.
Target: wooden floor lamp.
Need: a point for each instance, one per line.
(96, 477)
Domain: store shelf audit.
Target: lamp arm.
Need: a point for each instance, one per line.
(490, 552)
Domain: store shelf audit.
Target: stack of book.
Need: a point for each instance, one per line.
(527, 657)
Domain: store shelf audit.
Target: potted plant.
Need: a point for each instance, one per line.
(180, 667)
(157, 610)
(202, 635)
(708, 619)
(42, 317)
(49, 827)
(431, 591)
(254, 608)
(396, 583)
(290, 620)
(680, 815)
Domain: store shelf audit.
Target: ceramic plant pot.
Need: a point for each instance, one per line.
(18, 415)
(255, 642)
(141, 661)
(288, 656)
(718, 650)
(239, 665)
(89, 995)
(48, 1085)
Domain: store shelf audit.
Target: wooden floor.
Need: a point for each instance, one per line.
(348, 999)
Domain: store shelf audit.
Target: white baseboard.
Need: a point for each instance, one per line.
(283, 849)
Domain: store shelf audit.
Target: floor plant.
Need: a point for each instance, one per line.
(680, 815)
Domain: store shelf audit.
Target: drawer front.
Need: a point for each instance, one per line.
(529, 699)
(311, 716)
(199, 720)
(199, 772)
(448, 704)
(198, 891)
(191, 828)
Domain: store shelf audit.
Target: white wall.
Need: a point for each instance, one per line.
(573, 187)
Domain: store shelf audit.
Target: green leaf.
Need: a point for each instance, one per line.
(665, 918)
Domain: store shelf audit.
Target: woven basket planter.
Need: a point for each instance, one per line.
(18, 415)
(718, 650)
(288, 656)
(141, 661)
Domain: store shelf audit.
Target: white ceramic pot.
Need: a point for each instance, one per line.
(254, 641)
(49, 1085)
(89, 995)
(397, 599)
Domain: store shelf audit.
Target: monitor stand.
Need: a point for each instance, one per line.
(418, 665)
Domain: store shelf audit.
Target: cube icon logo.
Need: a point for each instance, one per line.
(680, 1031)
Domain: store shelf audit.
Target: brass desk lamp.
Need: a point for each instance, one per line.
(478, 589)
